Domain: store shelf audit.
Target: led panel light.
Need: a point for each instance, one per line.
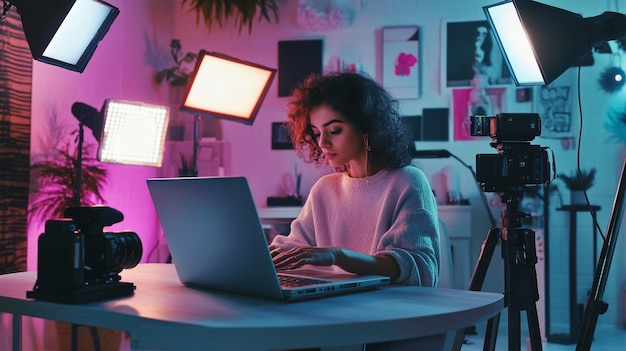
(228, 88)
(65, 33)
(133, 133)
(514, 42)
(539, 42)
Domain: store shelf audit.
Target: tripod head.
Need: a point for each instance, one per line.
(512, 216)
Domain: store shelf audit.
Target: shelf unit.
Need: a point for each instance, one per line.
(213, 157)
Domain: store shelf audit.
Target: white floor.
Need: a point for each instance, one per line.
(605, 338)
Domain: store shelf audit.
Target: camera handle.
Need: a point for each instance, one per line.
(520, 277)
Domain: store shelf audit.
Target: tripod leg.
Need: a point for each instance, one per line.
(521, 292)
(491, 334)
(478, 278)
(486, 253)
(533, 328)
(515, 340)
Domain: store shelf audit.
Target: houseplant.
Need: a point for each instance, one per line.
(176, 77)
(242, 11)
(578, 183)
(184, 64)
(55, 178)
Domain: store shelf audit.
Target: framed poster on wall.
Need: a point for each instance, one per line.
(470, 49)
(401, 72)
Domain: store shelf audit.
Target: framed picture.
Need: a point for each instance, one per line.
(471, 50)
(401, 73)
(280, 137)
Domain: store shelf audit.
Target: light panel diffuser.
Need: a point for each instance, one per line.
(65, 33)
(515, 43)
(228, 88)
(133, 133)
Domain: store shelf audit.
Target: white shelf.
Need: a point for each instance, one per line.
(213, 157)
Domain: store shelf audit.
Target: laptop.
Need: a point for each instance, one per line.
(217, 241)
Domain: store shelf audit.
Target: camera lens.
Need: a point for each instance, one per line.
(122, 250)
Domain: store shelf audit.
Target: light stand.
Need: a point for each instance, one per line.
(227, 88)
(595, 306)
(79, 164)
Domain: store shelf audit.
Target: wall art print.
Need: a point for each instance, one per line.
(554, 104)
(470, 49)
(401, 71)
(468, 102)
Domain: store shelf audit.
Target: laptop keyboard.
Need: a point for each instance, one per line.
(294, 282)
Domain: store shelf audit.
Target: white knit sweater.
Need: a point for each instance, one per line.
(391, 212)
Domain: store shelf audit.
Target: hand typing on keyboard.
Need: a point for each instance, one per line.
(299, 256)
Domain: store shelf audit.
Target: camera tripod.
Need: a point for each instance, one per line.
(520, 277)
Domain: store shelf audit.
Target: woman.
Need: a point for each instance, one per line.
(376, 214)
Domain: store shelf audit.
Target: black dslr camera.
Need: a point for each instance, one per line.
(518, 163)
(78, 262)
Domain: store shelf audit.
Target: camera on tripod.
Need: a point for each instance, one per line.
(518, 163)
(78, 262)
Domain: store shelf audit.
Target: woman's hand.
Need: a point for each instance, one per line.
(299, 256)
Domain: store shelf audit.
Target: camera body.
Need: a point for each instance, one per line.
(77, 261)
(507, 127)
(518, 163)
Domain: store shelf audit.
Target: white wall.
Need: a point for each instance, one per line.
(138, 44)
(253, 158)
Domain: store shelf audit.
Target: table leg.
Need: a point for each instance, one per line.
(17, 332)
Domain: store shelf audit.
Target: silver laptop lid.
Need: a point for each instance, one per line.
(214, 234)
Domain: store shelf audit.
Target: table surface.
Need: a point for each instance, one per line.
(163, 314)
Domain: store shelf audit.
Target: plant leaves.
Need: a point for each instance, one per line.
(242, 12)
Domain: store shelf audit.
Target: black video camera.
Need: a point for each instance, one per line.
(518, 163)
(77, 261)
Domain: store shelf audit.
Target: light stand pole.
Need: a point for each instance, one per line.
(595, 306)
(79, 163)
(196, 144)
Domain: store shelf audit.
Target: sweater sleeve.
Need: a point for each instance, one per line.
(302, 229)
(413, 237)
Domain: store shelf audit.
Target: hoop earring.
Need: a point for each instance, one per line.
(367, 150)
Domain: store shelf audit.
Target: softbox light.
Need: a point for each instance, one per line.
(228, 88)
(127, 132)
(540, 42)
(65, 33)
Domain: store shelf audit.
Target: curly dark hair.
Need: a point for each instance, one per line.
(363, 103)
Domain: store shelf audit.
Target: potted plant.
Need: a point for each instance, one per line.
(242, 11)
(184, 64)
(578, 184)
(176, 77)
(186, 168)
(55, 177)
